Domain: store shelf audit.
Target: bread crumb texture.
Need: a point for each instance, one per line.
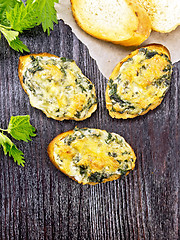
(91, 156)
(164, 14)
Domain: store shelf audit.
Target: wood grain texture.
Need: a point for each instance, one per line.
(39, 202)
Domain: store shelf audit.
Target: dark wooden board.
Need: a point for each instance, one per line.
(39, 202)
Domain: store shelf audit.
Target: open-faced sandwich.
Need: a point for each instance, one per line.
(91, 156)
(139, 82)
(57, 86)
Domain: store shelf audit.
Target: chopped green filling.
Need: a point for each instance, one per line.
(144, 109)
(163, 80)
(90, 103)
(83, 169)
(69, 139)
(63, 59)
(96, 135)
(76, 159)
(143, 50)
(166, 57)
(35, 64)
(90, 86)
(77, 114)
(143, 67)
(116, 98)
(79, 82)
(129, 60)
(112, 154)
(97, 177)
(63, 70)
(109, 138)
(82, 88)
(113, 89)
(126, 152)
(81, 136)
(167, 68)
(148, 53)
(122, 172)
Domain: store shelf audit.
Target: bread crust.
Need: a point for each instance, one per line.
(21, 65)
(135, 36)
(50, 151)
(143, 30)
(154, 46)
(154, 11)
(50, 148)
(22, 61)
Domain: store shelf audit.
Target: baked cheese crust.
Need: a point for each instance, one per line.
(57, 87)
(91, 156)
(139, 82)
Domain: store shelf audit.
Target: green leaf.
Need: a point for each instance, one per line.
(23, 17)
(18, 45)
(7, 5)
(20, 128)
(15, 17)
(5, 142)
(10, 148)
(13, 40)
(47, 14)
(10, 35)
(17, 155)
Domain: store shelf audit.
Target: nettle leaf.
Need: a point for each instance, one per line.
(10, 148)
(10, 35)
(20, 128)
(7, 5)
(5, 142)
(12, 38)
(17, 155)
(23, 17)
(15, 17)
(47, 14)
(18, 45)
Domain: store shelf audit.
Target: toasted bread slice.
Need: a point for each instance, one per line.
(121, 22)
(139, 82)
(91, 156)
(57, 87)
(164, 14)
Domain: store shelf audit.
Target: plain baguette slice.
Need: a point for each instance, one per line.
(121, 22)
(164, 14)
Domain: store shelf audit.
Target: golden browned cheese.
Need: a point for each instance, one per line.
(57, 87)
(91, 156)
(139, 82)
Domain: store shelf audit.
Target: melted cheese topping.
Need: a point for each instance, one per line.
(58, 87)
(91, 155)
(140, 84)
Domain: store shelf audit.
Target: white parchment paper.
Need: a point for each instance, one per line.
(107, 55)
